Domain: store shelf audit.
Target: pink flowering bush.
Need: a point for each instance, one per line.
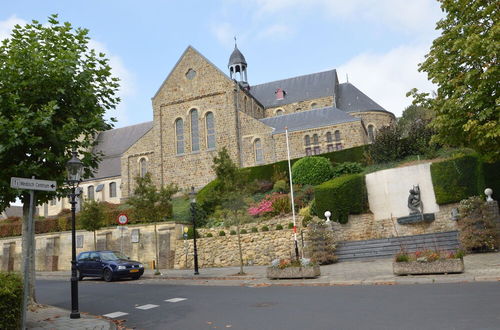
(271, 204)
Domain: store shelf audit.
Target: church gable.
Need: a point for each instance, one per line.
(193, 76)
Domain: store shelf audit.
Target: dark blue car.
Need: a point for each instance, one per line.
(108, 265)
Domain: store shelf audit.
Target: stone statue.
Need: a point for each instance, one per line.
(414, 201)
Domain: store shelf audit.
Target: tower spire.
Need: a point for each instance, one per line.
(238, 64)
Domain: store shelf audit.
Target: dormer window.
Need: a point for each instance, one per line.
(280, 94)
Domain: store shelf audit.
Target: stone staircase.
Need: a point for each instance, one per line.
(388, 247)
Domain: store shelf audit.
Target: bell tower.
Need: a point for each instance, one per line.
(237, 64)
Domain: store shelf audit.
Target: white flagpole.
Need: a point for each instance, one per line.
(291, 193)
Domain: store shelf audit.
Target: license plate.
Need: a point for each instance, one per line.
(134, 270)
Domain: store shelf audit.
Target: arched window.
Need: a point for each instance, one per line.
(337, 136)
(179, 135)
(315, 139)
(143, 167)
(195, 132)
(279, 112)
(259, 155)
(329, 137)
(90, 193)
(112, 189)
(307, 140)
(209, 121)
(371, 133)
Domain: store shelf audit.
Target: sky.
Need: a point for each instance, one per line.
(375, 44)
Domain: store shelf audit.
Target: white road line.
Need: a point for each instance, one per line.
(115, 315)
(174, 300)
(148, 306)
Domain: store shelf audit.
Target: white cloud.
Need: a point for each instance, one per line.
(127, 82)
(224, 33)
(276, 31)
(412, 15)
(386, 78)
(7, 26)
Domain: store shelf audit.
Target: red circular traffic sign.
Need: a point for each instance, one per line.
(122, 219)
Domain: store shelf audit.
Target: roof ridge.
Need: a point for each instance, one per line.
(300, 76)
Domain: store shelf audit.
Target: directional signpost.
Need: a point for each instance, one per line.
(31, 185)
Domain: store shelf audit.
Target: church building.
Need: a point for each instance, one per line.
(199, 109)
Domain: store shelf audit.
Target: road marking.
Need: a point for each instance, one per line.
(115, 315)
(148, 306)
(174, 300)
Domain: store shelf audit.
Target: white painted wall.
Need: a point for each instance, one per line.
(388, 190)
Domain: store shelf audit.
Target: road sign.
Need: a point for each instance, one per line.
(122, 219)
(32, 184)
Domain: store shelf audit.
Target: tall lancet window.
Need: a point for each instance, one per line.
(179, 136)
(209, 118)
(195, 132)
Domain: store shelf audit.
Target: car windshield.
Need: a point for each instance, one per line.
(112, 256)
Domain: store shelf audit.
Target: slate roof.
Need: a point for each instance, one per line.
(113, 144)
(297, 89)
(236, 57)
(299, 121)
(351, 99)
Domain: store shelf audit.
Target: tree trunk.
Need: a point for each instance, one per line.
(240, 249)
(156, 249)
(95, 241)
(30, 272)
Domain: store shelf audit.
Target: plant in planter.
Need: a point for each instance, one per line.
(428, 262)
(291, 268)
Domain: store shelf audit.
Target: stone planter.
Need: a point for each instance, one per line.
(293, 272)
(446, 266)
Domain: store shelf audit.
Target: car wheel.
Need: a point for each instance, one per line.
(80, 276)
(107, 275)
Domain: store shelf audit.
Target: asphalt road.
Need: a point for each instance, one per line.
(422, 306)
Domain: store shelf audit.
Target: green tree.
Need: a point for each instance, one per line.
(150, 204)
(414, 114)
(54, 92)
(91, 217)
(463, 63)
(230, 177)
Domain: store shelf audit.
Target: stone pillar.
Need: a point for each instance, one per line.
(52, 254)
(165, 255)
(8, 256)
(104, 241)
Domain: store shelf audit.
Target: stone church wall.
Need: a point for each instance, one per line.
(321, 102)
(376, 118)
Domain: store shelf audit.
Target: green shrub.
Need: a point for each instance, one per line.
(477, 228)
(222, 233)
(312, 170)
(210, 235)
(313, 210)
(243, 231)
(232, 232)
(11, 300)
(279, 227)
(306, 220)
(347, 168)
(290, 225)
(280, 186)
(254, 230)
(491, 172)
(264, 228)
(190, 233)
(342, 196)
(456, 179)
(208, 197)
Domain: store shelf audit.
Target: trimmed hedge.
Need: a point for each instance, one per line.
(342, 196)
(457, 178)
(207, 196)
(265, 172)
(312, 170)
(491, 172)
(11, 300)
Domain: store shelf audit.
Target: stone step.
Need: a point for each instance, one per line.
(388, 247)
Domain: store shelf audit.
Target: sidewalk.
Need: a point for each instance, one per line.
(478, 267)
(50, 317)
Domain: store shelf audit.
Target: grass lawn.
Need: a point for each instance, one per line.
(180, 207)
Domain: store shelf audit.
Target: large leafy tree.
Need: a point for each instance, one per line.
(54, 92)
(463, 63)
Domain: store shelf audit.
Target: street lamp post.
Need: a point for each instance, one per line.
(192, 196)
(74, 167)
